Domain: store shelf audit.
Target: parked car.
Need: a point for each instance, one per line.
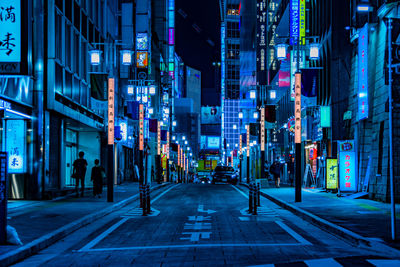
(225, 174)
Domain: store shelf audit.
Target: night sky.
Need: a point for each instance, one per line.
(194, 46)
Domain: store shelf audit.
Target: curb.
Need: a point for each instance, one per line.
(40, 243)
(322, 223)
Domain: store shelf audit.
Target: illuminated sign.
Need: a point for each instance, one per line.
(347, 166)
(124, 130)
(248, 139)
(142, 59)
(262, 131)
(261, 41)
(302, 32)
(5, 104)
(179, 155)
(213, 141)
(363, 73)
(111, 123)
(15, 145)
(142, 41)
(232, 158)
(293, 69)
(294, 21)
(297, 108)
(167, 146)
(331, 174)
(240, 144)
(141, 128)
(158, 137)
(171, 39)
(10, 31)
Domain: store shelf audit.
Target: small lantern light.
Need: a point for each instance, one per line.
(183, 137)
(186, 142)
(95, 57)
(272, 94)
(240, 115)
(152, 89)
(234, 126)
(281, 51)
(255, 115)
(151, 111)
(314, 51)
(173, 138)
(126, 57)
(174, 123)
(130, 89)
(252, 94)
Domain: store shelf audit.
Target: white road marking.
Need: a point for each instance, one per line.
(103, 235)
(199, 218)
(195, 236)
(197, 226)
(240, 191)
(385, 263)
(293, 233)
(191, 246)
(138, 212)
(329, 262)
(115, 226)
(201, 209)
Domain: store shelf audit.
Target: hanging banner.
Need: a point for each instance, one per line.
(158, 137)
(167, 146)
(347, 166)
(262, 130)
(248, 140)
(141, 127)
(294, 21)
(332, 177)
(111, 123)
(297, 109)
(240, 144)
(363, 73)
(302, 22)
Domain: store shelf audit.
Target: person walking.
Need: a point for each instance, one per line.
(97, 176)
(79, 172)
(291, 170)
(275, 169)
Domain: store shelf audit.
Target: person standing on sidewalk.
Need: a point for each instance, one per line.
(79, 173)
(97, 175)
(291, 170)
(275, 169)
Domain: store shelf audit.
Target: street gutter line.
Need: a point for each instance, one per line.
(163, 193)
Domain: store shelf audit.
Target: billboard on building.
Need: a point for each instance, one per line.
(213, 141)
(347, 166)
(211, 115)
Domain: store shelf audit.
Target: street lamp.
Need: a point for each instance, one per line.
(255, 115)
(240, 115)
(281, 51)
(365, 7)
(130, 89)
(183, 137)
(152, 90)
(95, 57)
(252, 94)
(126, 57)
(174, 123)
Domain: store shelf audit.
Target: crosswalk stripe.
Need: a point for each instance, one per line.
(385, 263)
(329, 262)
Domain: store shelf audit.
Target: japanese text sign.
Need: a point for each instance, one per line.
(15, 146)
(331, 174)
(248, 140)
(3, 198)
(363, 73)
(111, 111)
(262, 131)
(141, 127)
(297, 109)
(347, 166)
(10, 31)
(158, 137)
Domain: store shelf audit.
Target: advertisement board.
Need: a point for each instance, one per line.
(297, 109)
(142, 59)
(363, 73)
(332, 176)
(347, 166)
(142, 41)
(15, 146)
(10, 34)
(294, 21)
(111, 122)
(213, 141)
(211, 115)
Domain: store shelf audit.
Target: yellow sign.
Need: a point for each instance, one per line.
(302, 22)
(111, 111)
(332, 174)
(262, 129)
(142, 59)
(297, 108)
(141, 128)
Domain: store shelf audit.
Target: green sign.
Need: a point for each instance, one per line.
(325, 116)
(331, 174)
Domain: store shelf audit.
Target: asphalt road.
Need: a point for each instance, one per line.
(203, 225)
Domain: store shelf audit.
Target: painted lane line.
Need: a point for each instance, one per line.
(115, 226)
(295, 235)
(190, 246)
(385, 263)
(240, 191)
(329, 262)
(103, 235)
(163, 193)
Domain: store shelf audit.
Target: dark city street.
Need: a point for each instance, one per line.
(200, 133)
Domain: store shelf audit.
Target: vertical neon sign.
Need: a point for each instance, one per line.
(262, 131)
(363, 73)
(141, 128)
(297, 109)
(110, 111)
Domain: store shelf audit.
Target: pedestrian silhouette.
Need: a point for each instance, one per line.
(79, 172)
(97, 176)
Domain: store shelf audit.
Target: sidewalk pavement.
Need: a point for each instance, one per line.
(41, 223)
(367, 220)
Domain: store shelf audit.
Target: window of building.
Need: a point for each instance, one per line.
(233, 29)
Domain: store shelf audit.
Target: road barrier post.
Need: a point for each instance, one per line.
(255, 199)
(148, 199)
(258, 194)
(250, 198)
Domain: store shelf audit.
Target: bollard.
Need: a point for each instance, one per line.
(255, 199)
(250, 198)
(148, 199)
(144, 202)
(141, 195)
(259, 194)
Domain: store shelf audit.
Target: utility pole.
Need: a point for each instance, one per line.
(298, 157)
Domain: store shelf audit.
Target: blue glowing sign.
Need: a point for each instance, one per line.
(15, 145)
(294, 21)
(363, 73)
(10, 31)
(213, 141)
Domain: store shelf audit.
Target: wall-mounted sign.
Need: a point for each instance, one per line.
(332, 174)
(363, 73)
(248, 139)
(211, 115)
(5, 104)
(111, 124)
(171, 37)
(302, 21)
(240, 144)
(213, 141)
(3, 198)
(141, 127)
(179, 155)
(262, 130)
(15, 146)
(10, 36)
(291, 124)
(347, 166)
(142, 59)
(261, 41)
(167, 146)
(297, 108)
(142, 41)
(294, 21)
(158, 137)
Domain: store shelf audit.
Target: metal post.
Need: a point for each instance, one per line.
(240, 169)
(148, 199)
(259, 194)
(255, 204)
(298, 157)
(110, 173)
(392, 200)
(250, 198)
(248, 169)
